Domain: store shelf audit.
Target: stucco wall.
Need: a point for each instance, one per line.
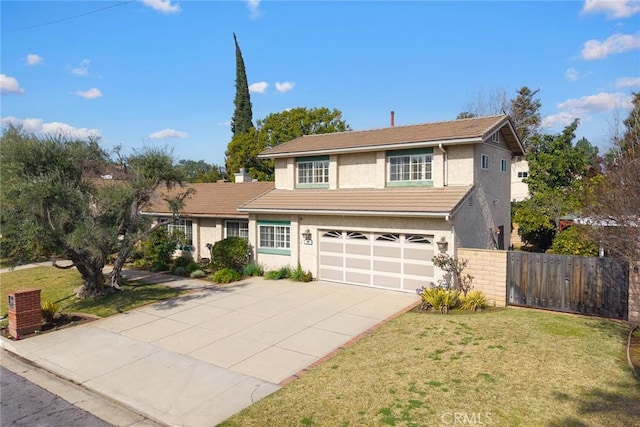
(634, 296)
(356, 170)
(284, 172)
(489, 271)
(460, 167)
(206, 230)
(519, 190)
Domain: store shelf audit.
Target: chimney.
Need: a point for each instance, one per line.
(242, 176)
(392, 121)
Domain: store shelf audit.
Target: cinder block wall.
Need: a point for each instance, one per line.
(634, 296)
(489, 270)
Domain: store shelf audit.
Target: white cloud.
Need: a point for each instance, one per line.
(612, 8)
(92, 93)
(617, 43)
(168, 133)
(9, 85)
(254, 6)
(34, 59)
(163, 6)
(602, 101)
(627, 82)
(572, 74)
(82, 69)
(284, 86)
(581, 108)
(259, 87)
(51, 128)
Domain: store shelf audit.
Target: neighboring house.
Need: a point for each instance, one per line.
(211, 214)
(519, 171)
(370, 207)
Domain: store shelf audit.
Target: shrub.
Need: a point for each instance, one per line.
(50, 310)
(438, 298)
(281, 273)
(180, 271)
(300, 275)
(252, 269)
(226, 275)
(473, 301)
(197, 274)
(572, 242)
(159, 246)
(193, 266)
(159, 266)
(183, 261)
(453, 268)
(232, 252)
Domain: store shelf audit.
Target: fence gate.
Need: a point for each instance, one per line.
(573, 284)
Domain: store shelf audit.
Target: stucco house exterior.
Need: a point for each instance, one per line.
(210, 213)
(372, 207)
(519, 171)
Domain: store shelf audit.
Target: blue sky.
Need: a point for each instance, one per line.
(162, 72)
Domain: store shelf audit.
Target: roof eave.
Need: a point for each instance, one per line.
(348, 212)
(369, 148)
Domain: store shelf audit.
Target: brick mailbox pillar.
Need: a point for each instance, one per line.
(25, 312)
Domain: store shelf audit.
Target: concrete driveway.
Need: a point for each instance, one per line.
(200, 358)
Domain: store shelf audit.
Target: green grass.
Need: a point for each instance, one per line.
(59, 286)
(508, 367)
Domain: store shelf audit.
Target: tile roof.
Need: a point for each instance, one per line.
(212, 199)
(467, 130)
(400, 201)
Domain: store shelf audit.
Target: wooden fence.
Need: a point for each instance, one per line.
(594, 286)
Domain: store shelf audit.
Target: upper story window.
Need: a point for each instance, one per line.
(523, 174)
(484, 161)
(312, 172)
(503, 165)
(495, 137)
(410, 167)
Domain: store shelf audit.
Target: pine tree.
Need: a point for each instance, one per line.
(241, 121)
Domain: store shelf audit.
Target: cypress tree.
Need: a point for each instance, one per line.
(242, 116)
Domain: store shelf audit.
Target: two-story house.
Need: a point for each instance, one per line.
(372, 207)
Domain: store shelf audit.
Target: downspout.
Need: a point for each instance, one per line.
(445, 165)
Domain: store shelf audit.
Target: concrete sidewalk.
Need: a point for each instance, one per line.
(196, 360)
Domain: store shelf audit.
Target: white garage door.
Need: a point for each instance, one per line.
(384, 260)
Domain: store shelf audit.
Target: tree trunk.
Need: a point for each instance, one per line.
(93, 279)
(115, 278)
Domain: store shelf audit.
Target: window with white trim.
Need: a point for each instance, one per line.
(523, 174)
(410, 167)
(313, 171)
(274, 237)
(185, 226)
(237, 229)
(495, 137)
(484, 161)
(503, 165)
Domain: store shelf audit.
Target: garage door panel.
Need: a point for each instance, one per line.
(394, 282)
(331, 260)
(361, 249)
(329, 274)
(387, 266)
(418, 269)
(360, 263)
(359, 278)
(418, 253)
(387, 252)
(331, 247)
(412, 284)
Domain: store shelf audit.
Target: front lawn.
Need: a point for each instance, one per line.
(59, 286)
(510, 367)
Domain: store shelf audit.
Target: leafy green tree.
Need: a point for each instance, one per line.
(54, 202)
(200, 171)
(557, 181)
(573, 241)
(242, 119)
(275, 129)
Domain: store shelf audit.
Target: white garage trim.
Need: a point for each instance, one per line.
(400, 261)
